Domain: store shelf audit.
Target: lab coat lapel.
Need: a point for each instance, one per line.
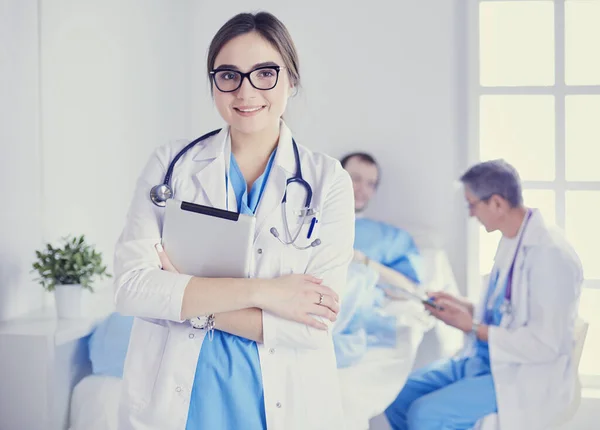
(282, 169)
(270, 202)
(210, 176)
(531, 235)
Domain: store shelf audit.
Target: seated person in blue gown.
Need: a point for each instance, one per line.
(362, 322)
(381, 242)
(521, 333)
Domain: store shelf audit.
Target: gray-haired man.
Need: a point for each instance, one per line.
(518, 360)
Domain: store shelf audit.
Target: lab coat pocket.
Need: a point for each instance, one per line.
(144, 358)
(297, 260)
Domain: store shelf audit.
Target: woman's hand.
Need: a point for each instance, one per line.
(298, 298)
(164, 259)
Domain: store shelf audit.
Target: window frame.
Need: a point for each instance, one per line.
(560, 90)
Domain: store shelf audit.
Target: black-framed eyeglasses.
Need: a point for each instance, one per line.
(262, 78)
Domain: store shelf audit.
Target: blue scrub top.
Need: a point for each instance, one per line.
(491, 316)
(390, 246)
(228, 390)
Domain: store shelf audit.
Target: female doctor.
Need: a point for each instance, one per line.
(268, 359)
(517, 372)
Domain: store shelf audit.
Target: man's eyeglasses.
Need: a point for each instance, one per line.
(473, 205)
(261, 78)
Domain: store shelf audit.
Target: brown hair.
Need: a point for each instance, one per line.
(270, 28)
(364, 157)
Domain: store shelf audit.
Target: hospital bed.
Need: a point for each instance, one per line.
(368, 387)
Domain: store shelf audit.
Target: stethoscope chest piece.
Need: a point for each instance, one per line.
(159, 194)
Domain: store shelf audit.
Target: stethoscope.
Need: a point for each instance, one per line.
(160, 193)
(506, 306)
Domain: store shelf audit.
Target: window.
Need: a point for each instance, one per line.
(535, 101)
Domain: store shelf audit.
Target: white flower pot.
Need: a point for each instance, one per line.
(68, 301)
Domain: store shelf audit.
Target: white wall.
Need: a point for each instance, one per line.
(114, 85)
(121, 77)
(20, 161)
(380, 76)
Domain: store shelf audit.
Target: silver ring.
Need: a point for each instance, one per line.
(320, 299)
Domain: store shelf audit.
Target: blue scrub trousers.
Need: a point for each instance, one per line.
(447, 395)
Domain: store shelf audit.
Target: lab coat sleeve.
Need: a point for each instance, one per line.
(554, 280)
(329, 261)
(142, 288)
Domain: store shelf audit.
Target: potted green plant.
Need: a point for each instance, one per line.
(68, 269)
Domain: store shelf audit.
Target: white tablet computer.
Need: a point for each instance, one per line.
(206, 241)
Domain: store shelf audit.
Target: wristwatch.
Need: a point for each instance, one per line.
(475, 328)
(203, 322)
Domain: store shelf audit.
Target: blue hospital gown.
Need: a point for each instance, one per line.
(390, 246)
(228, 391)
(362, 323)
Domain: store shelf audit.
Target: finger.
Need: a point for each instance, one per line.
(433, 302)
(313, 322)
(322, 311)
(313, 279)
(430, 307)
(445, 305)
(437, 307)
(326, 291)
(329, 302)
(164, 259)
(435, 312)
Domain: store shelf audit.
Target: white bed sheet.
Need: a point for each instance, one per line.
(372, 384)
(367, 387)
(95, 403)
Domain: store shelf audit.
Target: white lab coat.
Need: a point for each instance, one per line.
(530, 353)
(298, 364)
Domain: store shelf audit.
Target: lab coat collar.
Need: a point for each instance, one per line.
(212, 147)
(535, 229)
(531, 234)
(217, 145)
(284, 167)
(214, 167)
(285, 151)
(211, 174)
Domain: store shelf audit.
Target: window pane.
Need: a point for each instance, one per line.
(583, 137)
(582, 33)
(545, 201)
(588, 310)
(519, 129)
(583, 229)
(516, 43)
